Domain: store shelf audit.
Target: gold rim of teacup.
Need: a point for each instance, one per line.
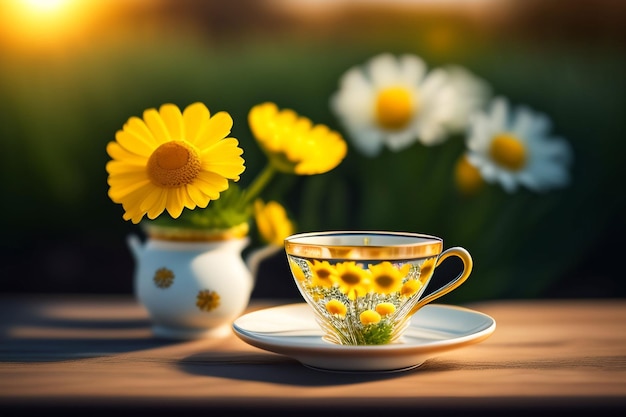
(369, 245)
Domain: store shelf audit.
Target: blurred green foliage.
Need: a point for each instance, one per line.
(57, 115)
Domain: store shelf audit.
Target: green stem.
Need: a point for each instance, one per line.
(259, 183)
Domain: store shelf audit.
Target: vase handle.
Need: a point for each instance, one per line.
(134, 243)
(254, 258)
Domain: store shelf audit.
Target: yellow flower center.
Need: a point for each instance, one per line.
(394, 108)
(385, 281)
(508, 151)
(351, 278)
(173, 164)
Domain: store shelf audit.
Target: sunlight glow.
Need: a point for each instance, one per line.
(45, 6)
(47, 23)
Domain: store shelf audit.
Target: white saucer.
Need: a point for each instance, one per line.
(292, 330)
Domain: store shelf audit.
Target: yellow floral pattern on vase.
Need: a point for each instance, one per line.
(207, 300)
(164, 278)
(364, 303)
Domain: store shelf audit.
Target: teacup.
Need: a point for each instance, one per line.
(364, 286)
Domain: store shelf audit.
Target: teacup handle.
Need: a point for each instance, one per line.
(456, 282)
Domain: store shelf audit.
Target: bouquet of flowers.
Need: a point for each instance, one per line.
(179, 168)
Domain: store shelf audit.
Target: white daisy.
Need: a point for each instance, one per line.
(514, 148)
(394, 101)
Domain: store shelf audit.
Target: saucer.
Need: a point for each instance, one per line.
(291, 330)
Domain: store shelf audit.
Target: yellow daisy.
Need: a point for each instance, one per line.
(352, 279)
(386, 278)
(297, 272)
(322, 273)
(336, 307)
(427, 269)
(369, 317)
(385, 309)
(272, 222)
(411, 287)
(170, 160)
(293, 144)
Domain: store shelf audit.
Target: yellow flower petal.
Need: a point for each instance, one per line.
(215, 129)
(212, 184)
(138, 128)
(119, 193)
(156, 125)
(152, 200)
(121, 155)
(174, 205)
(173, 120)
(197, 196)
(195, 116)
(272, 222)
(224, 159)
(159, 204)
(133, 144)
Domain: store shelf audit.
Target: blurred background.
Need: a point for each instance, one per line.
(73, 71)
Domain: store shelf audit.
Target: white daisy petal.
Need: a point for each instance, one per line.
(411, 69)
(480, 133)
(369, 142)
(508, 181)
(400, 141)
(383, 70)
(499, 114)
(354, 79)
(523, 123)
(433, 83)
(431, 133)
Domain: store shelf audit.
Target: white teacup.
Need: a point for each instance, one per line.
(364, 286)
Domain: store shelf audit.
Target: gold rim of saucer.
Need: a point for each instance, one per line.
(370, 245)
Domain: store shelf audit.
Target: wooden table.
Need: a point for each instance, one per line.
(84, 354)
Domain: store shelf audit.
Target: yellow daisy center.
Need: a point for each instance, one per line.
(173, 164)
(394, 108)
(350, 278)
(508, 151)
(385, 281)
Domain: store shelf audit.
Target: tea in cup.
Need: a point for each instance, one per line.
(364, 286)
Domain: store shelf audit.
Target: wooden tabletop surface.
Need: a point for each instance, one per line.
(78, 354)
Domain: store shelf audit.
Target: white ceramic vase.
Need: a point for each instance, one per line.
(192, 289)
